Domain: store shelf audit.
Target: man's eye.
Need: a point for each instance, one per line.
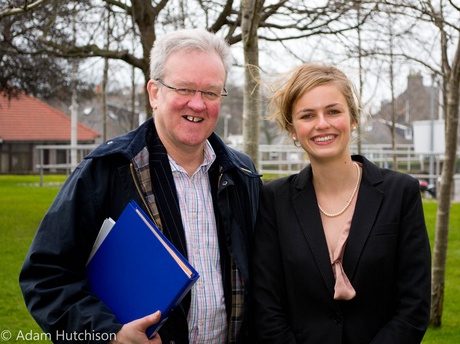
(211, 95)
(185, 91)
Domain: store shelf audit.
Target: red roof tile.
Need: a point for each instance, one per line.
(28, 119)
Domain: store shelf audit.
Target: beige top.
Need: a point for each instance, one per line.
(343, 288)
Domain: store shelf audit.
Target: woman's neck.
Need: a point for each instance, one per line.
(332, 176)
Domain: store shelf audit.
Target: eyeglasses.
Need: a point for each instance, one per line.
(186, 92)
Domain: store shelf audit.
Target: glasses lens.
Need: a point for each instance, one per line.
(185, 92)
(210, 95)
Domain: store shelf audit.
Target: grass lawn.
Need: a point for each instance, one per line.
(23, 203)
(449, 332)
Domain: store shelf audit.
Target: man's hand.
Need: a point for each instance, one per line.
(134, 331)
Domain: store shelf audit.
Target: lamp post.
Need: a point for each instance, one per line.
(432, 130)
(227, 117)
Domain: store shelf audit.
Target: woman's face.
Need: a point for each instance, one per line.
(322, 124)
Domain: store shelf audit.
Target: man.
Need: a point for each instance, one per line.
(201, 193)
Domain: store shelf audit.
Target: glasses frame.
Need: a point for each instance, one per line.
(186, 92)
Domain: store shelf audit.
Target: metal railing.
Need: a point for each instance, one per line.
(82, 150)
(282, 160)
(288, 159)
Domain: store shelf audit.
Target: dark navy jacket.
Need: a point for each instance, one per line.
(53, 278)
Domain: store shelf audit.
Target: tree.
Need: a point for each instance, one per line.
(145, 15)
(25, 65)
(393, 110)
(250, 13)
(281, 22)
(136, 24)
(451, 79)
(11, 9)
(448, 68)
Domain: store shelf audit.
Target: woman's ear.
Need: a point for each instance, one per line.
(292, 134)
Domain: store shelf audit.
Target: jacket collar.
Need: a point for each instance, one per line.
(131, 143)
(128, 144)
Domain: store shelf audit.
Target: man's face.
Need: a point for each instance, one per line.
(184, 122)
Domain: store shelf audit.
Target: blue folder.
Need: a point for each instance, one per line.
(136, 270)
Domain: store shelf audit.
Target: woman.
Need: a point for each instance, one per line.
(341, 248)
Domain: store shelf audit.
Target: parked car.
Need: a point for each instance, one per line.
(427, 189)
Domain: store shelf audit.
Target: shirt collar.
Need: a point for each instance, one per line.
(209, 158)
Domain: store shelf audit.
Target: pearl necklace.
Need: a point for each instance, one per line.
(351, 197)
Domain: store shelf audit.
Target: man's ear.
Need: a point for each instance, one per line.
(152, 89)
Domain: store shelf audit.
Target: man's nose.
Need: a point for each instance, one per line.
(197, 102)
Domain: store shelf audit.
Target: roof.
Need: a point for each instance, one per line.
(27, 118)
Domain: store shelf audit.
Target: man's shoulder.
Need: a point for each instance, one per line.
(128, 144)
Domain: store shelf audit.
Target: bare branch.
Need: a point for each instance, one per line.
(18, 10)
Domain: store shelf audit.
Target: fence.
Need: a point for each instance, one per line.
(82, 150)
(287, 159)
(281, 160)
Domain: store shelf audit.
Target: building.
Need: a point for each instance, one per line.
(417, 103)
(120, 117)
(25, 123)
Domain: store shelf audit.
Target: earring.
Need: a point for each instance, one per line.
(296, 142)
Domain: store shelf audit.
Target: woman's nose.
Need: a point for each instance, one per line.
(322, 122)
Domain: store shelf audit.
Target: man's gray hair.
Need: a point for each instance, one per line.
(187, 40)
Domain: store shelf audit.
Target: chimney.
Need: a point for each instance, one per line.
(414, 82)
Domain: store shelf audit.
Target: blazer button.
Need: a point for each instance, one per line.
(337, 318)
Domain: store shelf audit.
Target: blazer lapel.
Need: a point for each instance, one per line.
(367, 206)
(307, 212)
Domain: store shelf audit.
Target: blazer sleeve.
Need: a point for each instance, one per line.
(269, 291)
(410, 321)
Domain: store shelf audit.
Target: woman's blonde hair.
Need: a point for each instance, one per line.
(292, 85)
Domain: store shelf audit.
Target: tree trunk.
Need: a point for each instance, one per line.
(445, 192)
(250, 14)
(392, 88)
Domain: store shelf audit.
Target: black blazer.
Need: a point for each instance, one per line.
(387, 259)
